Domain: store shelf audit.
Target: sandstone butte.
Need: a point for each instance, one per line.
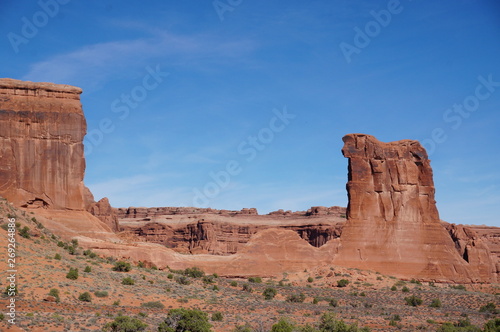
(391, 224)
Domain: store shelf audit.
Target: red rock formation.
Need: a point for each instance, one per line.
(42, 163)
(41, 151)
(392, 223)
(224, 234)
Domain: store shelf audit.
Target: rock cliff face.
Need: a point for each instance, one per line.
(42, 163)
(41, 151)
(392, 223)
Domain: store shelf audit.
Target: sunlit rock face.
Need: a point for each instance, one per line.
(393, 224)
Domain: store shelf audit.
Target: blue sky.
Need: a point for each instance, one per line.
(238, 103)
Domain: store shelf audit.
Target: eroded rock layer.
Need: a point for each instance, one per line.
(41, 151)
(392, 223)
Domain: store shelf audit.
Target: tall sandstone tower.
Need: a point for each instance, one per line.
(393, 224)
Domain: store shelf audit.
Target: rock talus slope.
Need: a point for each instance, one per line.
(393, 225)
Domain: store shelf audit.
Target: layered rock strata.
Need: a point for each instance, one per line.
(393, 224)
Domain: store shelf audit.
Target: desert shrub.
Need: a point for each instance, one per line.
(296, 298)
(153, 304)
(328, 323)
(128, 281)
(215, 288)
(436, 303)
(71, 250)
(101, 293)
(257, 280)
(310, 279)
(269, 293)
(74, 242)
(217, 316)
(333, 302)
(122, 266)
(125, 324)
(459, 287)
(60, 244)
(170, 276)
(89, 253)
(88, 269)
(182, 280)
(490, 307)
(243, 328)
(55, 293)
(283, 325)
(25, 232)
(247, 288)
(2, 316)
(208, 279)
(85, 297)
(413, 301)
(234, 284)
(492, 325)
(342, 282)
(179, 320)
(194, 272)
(72, 274)
(405, 289)
(57, 256)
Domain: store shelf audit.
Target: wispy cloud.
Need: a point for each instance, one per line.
(100, 61)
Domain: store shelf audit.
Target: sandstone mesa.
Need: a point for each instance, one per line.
(391, 224)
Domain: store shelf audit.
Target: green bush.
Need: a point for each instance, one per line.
(153, 304)
(490, 307)
(413, 301)
(128, 281)
(57, 256)
(122, 266)
(55, 293)
(459, 287)
(296, 298)
(179, 320)
(243, 328)
(405, 289)
(101, 293)
(88, 269)
(234, 284)
(217, 316)
(247, 288)
(257, 280)
(194, 272)
(90, 253)
(492, 325)
(85, 297)
(60, 244)
(283, 325)
(269, 293)
(436, 303)
(170, 276)
(208, 279)
(328, 323)
(72, 274)
(125, 324)
(310, 279)
(342, 282)
(25, 232)
(333, 302)
(183, 280)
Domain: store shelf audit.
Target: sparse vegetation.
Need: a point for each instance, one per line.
(153, 304)
(125, 324)
(85, 297)
(217, 316)
(101, 293)
(269, 293)
(436, 303)
(296, 298)
(413, 301)
(179, 320)
(72, 274)
(122, 266)
(128, 281)
(342, 282)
